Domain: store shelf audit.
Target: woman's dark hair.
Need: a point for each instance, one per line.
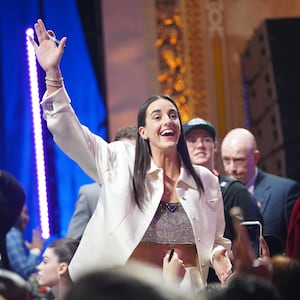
(142, 160)
(64, 248)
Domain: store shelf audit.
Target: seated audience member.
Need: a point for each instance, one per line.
(274, 195)
(293, 235)
(89, 193)
(133, 281)
(12, 198)
(53, 270)
(23, 256)
(13, 286)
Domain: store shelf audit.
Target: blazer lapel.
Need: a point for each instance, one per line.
(262, 191)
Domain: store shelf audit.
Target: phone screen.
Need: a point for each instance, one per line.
(254, 230)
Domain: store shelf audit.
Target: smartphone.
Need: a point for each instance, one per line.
(254, 230)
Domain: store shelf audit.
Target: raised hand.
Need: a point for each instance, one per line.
(37, 240)
(244, 260)
(47, 53)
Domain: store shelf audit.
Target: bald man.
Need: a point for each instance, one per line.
(275, 195)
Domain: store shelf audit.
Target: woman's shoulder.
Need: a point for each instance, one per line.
(203, 171)
(207, 177)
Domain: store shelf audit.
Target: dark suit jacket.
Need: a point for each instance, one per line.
(276, 196)
(12, 198)
(88, 196)
(236, 194)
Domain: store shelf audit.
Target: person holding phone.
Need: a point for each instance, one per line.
(254, 231)
(152, 198)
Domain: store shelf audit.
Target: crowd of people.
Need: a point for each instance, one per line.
(158, 220)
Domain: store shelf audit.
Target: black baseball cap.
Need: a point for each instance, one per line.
(199, 123)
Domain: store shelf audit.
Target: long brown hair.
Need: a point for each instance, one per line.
(143, 153)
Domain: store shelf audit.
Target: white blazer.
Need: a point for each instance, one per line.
(118, 225)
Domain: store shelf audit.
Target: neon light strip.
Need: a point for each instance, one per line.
(38, 138)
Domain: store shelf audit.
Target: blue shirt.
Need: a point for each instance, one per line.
(20, 259)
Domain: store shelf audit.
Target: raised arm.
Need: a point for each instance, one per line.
(74, 139)
(49, 55)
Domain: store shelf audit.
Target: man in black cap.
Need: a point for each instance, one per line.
(201, 142)
(12, 198)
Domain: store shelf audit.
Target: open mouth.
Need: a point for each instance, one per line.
(167, 132)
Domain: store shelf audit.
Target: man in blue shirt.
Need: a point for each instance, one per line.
(23, 256)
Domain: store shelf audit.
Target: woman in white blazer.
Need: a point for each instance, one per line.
(151, 202)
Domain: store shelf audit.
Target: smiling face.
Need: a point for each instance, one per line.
(201, 147)
(162, 126)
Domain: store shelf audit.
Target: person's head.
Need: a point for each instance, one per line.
(131, 281)
(126, 134)
(285, 276)
(159, 131)
(13, 286)
(240, 154)
(159, 123)
(200, 138)
(11, 191)
(23, 219)
(55, 261)
(247, 287)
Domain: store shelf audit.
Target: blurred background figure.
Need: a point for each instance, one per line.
(274, 195)
(245, 286)
(88, 194)
(23, 256)
(293, 236)
(84, 208)
(53, 270)
(133, 281)
(12, 198)
(286, 276)
(13, 286)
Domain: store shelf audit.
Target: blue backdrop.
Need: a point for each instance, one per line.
(16, 142)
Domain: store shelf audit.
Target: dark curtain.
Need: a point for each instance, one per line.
(16, 142)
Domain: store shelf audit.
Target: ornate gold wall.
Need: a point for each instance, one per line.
(187, 48)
